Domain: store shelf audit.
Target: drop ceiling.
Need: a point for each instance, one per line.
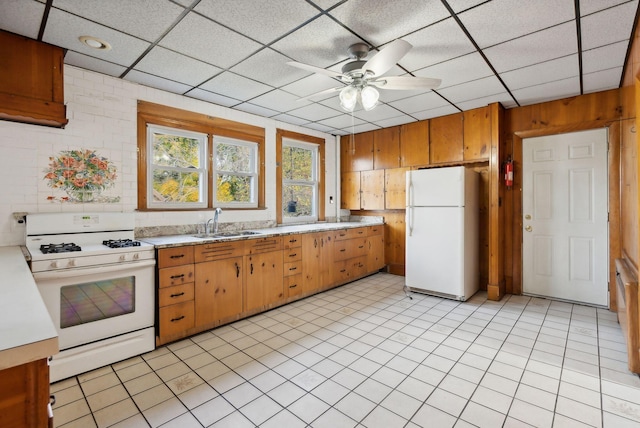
(234, 52)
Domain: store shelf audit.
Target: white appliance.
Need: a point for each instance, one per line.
(442, 232)
(97, 284)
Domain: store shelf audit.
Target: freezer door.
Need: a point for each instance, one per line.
(437, 187)
(434, 250)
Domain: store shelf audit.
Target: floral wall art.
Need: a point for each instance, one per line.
(80, 176)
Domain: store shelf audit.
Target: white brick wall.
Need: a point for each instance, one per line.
(102, 117)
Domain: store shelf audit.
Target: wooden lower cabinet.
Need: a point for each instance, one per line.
(375, 248)
(263, 280)
(218, 290)
(24, 395)
(317, 249)
(176, 311)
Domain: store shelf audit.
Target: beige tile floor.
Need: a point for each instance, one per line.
(364, 355)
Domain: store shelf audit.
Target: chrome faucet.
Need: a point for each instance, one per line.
(214, 219)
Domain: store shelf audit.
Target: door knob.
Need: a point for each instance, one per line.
(528, 228)
(527, 217)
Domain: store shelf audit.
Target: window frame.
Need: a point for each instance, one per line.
(314, 182)
(173, 118)
(254, 174)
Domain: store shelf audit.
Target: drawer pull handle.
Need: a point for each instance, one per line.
(293, 286)
(177, 256)
(293, 268)
(177, 294)
(293, 255)
(177, 276)
(177, 319)
(343, 250)
(293, 240)
(237, 270)
(361, 246)
(343, 270)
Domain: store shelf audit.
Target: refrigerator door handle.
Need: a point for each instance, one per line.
(410, 219)
(410, 204)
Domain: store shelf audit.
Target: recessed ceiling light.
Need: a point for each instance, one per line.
(95, 43)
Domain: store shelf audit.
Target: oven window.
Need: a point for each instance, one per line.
(97, 300)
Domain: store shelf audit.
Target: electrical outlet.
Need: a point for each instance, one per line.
(20, 219)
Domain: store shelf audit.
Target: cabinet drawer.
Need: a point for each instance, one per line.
(346, 249)
(176, 294)
(293, 268)
(169, 277)
(218, 251)
(176, 318)
(168, 257)
(292, 241)
(375, 230)
(355, 232)
(263, 245)
(293, 285)
(292, 254)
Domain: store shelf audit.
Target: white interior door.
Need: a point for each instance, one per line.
(565, 216)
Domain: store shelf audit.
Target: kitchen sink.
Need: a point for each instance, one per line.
(225, 234)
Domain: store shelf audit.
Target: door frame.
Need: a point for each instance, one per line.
(614, 198)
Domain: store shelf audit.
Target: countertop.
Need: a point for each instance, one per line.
(178, 240)
(26, 330)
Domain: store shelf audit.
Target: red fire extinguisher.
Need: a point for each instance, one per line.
(508, 173)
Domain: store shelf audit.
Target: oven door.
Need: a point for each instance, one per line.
(95, 303)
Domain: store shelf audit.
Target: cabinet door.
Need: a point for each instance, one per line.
(372, 190)
(477, 134)
(386, 148)
(375, 253)
(24, 395)
(264, 280)
(350, 190)
(326, 259)
(445, 142)
(414, 144)
(356, 152)
(218, 290)
(311, 262)
(395, 184)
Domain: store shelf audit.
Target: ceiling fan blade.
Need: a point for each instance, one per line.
(387, 57)
(405, 82)
(314, 69)
(326, 91)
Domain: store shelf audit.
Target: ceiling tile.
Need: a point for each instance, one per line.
(156, 82)
(203, 95)
(609, 26)
(460, 5)
(548, 71)
(542, 46)
(315, 112)
(325, 4)
(254, 109)
(472, 90)
(94, 64)
(458, 70)
(324, 128)
(207, 41)
(171, 65)
(234, 86)
(437, 43)
(504, 98)
(380, 22)
(435, 112)
(312, 84)
(602, 80)
(422, 102)
(380, 112)
(22, 17)
(287, 118)
(342, 121)
(501, 20)
(388, 96)
(588, 7)
(321, 43)
(395, 121)
(548, 91)
(145, 19)
(361, 128)
(264, 21)
(270, 67)
(279, 100)
(63, 29)
(605, 57)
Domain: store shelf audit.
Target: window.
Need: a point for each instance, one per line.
(189, 161)
(177, 170)
(236, 172)
(300, 177)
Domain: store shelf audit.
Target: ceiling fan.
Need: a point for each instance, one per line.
(361, 78)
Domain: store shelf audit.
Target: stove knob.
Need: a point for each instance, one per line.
(122, 258)
(71, 263)
(54, 264)
(136, 256)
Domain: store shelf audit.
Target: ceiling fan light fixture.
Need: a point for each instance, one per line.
(348, 98)
(369, 97)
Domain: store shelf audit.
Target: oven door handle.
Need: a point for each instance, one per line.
(80, 271)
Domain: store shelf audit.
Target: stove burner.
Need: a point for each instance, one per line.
(121, 243)
(59, 248)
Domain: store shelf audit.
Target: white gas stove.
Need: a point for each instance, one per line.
(97, 282)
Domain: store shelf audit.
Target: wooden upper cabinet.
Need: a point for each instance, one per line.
(372, 190)
(414, 144)
(31, 81)
(356, 152)
(350, 190)
(395, 184)
(386, 148)
(477, 134)
(446, 138)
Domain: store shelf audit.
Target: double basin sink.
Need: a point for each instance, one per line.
(221, 235)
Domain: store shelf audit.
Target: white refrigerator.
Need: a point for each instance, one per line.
(442, 232)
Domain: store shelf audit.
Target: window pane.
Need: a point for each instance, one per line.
(172, 150)
(297, 163)
(297, 200)
(174, 186)
(232, 157)
(233, 188)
